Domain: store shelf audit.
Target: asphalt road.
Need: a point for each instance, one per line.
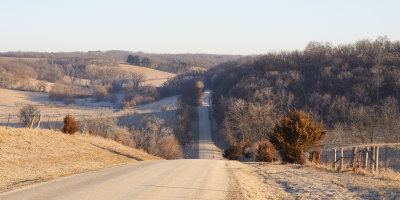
(174, 179)
(205, 142)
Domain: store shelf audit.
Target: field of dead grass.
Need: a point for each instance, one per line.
(289, 181)
(11, 101)
(28, 156)
(152, 76)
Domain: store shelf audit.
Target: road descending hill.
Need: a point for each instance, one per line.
(205, 141)
(174, 179)
(205, 178)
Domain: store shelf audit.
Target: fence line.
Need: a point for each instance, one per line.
(36, 122)
(366, 156)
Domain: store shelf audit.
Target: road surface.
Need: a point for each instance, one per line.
(174, 179)
(205, 142)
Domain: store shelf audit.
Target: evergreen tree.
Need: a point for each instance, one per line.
(70, 126)
(295, 134)
(133, 60)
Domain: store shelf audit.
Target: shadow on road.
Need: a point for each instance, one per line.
(118, 153)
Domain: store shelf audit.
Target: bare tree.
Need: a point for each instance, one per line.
(136, 79)
(238, 115)
(157, 138)
(358, 117)
(100, 121)
(28, 114)
(391, 119)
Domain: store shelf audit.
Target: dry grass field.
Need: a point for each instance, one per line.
(289, 181)
(11, 101)
(36, 155)
(152, 76)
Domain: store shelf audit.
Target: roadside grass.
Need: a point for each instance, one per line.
(384, 173)
(34, 155)
(292, 181)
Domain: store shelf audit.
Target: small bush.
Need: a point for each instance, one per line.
(90, 131)
(249, 150)
(126, 105)
(315, 156)
(266, 152)
(295, 134)
(233, 152)
(170, 148)
(120, 135)
(70, 126)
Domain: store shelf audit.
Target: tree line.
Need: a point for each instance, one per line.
(353, 88)
(178, 63)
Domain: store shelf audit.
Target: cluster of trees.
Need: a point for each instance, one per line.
(51, 67)
(178, 63)
(154, 137)
(354, 89)
(138, 61)
(294, 134)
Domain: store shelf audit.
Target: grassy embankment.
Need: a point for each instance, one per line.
(28, 156)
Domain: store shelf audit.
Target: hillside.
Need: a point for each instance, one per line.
(36, 155)
(153, 77)
(354, 89)
(178, 63)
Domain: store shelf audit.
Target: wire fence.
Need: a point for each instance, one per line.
(367, 156)
(41, 121)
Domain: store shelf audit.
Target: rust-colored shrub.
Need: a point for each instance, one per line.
(70, 126)
(90, 131)
(266, 152)
(233, 152)
(295, 134)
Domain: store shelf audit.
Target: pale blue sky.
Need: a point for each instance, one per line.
(185, 26)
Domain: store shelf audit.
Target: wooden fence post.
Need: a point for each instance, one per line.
(32, 122)
(341, 159)
(376, 167)
(8, 121)
(326, 157)
(353, 165)
(386, 156)
(372, 158)
(366, 158)
(334, 161)
(48, 123)
(38, 124)
(20, 122)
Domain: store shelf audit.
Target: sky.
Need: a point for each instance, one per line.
(186, 26)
